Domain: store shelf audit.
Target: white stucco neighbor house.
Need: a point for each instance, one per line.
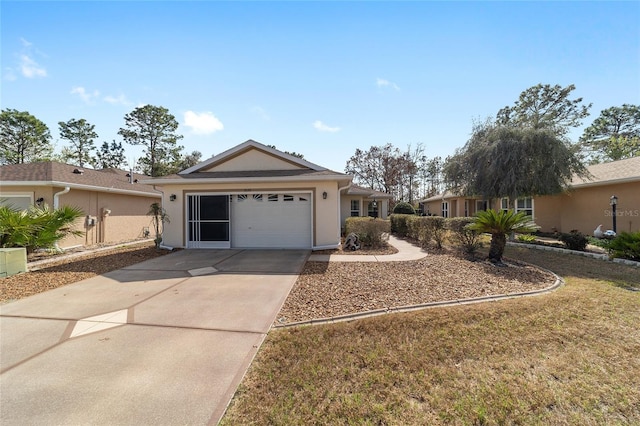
(254, 196)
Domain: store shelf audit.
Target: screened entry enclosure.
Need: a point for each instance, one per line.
(254, 220)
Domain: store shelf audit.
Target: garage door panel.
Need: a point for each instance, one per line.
(260, 223)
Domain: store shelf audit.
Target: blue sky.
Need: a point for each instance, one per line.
(319, 78)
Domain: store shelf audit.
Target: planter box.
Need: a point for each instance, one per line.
(12, 261)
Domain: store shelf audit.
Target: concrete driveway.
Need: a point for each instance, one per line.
(166, 341)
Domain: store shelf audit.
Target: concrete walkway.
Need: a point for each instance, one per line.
(406, 251)
(162, 342)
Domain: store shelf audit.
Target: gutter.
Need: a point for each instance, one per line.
(186, 181)
(80, 186)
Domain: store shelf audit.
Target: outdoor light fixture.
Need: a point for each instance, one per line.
(324, 195)
(614, 202)
(39, 201)
(172, 197)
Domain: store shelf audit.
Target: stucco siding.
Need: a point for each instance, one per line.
(253, 160)
(325, 212)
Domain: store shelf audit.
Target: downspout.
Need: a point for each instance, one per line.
(56, 205)
(339, 208)
(162, 246)
(56, 199)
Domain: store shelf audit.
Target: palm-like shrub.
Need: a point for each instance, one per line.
(499, 225)
(37, 227)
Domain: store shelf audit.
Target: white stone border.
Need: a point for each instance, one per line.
(600, 256)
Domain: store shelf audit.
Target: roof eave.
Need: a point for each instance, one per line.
(182, 181)
(83, 187)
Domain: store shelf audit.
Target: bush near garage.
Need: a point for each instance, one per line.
(399, 224)
(467, 239)
(371, 232)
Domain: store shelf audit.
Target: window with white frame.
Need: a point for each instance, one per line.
(355, 208)
(525, 205)
(445, 209)
(504, 204)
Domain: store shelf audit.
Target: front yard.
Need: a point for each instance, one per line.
(567, 357)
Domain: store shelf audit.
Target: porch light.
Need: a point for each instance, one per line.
(172, 197)
(39, 201)
(324, 195)
(375, 203)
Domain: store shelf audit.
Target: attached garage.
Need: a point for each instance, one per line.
(250, 220)
(253, 196)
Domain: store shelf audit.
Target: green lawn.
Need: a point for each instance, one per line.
(569, 357)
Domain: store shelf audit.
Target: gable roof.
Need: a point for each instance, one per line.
(292, 168)
(245, 147)
(53, 173)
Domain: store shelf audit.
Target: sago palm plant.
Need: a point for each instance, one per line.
(37, 227)
(500, 224)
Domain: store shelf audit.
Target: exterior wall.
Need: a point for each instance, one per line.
(345, 207)
(127, 220)
(253, 160)
(114, 217)
(585, 208)
(326, 213)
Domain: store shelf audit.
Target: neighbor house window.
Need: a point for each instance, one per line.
(355, 208)
(525, 205)
(445, 209)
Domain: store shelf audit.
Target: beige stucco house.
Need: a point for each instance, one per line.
(583, 207)
(114, 201)
(254, 196)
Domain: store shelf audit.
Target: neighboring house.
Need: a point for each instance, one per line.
(254, 196)
(585, 206)
(114, 202)
(359, 201)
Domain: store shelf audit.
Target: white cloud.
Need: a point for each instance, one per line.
(381, 82)
(87, 97)
(203, 123)
(117, 100)
(25, 42)
(30, 68)
(321, 127)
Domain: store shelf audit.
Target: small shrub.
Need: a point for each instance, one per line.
(599, 242)
(436, 229)
(404, 208)
(526, 238)
(626, 245)
(371, 232)
(468, 239)
(574, 240)
(399, 224)
(418, 230)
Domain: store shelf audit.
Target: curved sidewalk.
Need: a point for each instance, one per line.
(406, 251)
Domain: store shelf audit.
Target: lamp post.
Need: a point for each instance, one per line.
(614, 203)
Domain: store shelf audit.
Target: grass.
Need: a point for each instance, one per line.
(569, 357)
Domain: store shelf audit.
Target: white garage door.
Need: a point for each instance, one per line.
(271, 220)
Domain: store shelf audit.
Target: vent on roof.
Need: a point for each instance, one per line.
(78, 171)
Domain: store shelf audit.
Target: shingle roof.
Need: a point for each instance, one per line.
(627, 170)
(371, 193)
(52, 171)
